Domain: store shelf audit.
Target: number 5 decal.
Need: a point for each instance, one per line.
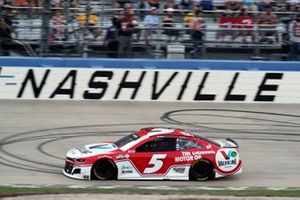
(157, 163)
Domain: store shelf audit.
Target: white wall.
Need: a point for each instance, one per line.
(149, 85)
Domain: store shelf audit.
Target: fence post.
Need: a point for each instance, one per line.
(85, 31)
(46, 16)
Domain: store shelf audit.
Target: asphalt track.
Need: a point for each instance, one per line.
(35, 135)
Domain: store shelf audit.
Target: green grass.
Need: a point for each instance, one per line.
(11, 191)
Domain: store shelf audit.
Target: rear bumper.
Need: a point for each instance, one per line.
(219, 175)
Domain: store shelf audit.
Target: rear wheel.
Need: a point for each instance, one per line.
(201, 170)
(104, 169)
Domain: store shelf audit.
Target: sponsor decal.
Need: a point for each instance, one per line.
(126, 169)
(127, 156)
(155, 164)
(227, 159)
(179, 170)
(207, 152)
(73, 152)
(229, 154)
(120, 156)
(186, 156)
(143, 85)
(191, 156)
(227, 162)
(83, 150)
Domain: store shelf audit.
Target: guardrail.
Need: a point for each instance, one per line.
(29, 27)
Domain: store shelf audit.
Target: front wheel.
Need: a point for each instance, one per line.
(104, 170)
(201, 170)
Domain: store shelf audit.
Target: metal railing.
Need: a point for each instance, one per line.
(33, 30)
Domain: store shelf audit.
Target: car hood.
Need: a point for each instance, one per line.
(91, 150)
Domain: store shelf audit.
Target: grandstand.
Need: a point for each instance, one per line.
(35, 32)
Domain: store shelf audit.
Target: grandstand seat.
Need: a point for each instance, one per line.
(28, 29)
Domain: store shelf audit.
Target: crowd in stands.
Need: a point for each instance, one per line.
(36, 3)
(247, 21)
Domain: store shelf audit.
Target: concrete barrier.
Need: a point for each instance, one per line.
(149, 80)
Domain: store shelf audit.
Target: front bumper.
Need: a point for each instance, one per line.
(82, 172)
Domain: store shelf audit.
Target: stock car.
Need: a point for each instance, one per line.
(155, 154)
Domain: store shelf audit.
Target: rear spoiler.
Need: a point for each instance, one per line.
(228, 143)
(231, 143)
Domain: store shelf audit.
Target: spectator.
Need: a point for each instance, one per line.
(128, 10)
(111, 37)
(268, 20)
(207, 5)
(197, 32)
(122, 3)
(169, 25)
(263, 5)
(59, 23)
(188, 18)
(151, 21)
(5, 33)
(245, 23)
(285, 46)
(250, 5)
(141, 6)
(294, 33)
(186, 4)
(57, 3)
(125, 35)
(226, 22)
(92, 20)
(21, 3)
(73, 3)
(5, 3)
(170, 4)
(34, 3)
(154, 3)
(292, 5)
(233, 5)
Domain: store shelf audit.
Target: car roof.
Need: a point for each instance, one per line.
(145, 133)
(157, 131)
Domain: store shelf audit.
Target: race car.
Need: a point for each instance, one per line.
(155, 154)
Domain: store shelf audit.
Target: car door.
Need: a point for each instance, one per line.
(154, 158)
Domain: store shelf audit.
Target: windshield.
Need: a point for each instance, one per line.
(125, 140)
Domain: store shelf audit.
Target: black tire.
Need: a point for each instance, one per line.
(104, 169)
(201, 170)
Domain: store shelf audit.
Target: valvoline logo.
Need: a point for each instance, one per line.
(228, 155)
(227, 159)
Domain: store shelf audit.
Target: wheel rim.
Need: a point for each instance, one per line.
(104, 170)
